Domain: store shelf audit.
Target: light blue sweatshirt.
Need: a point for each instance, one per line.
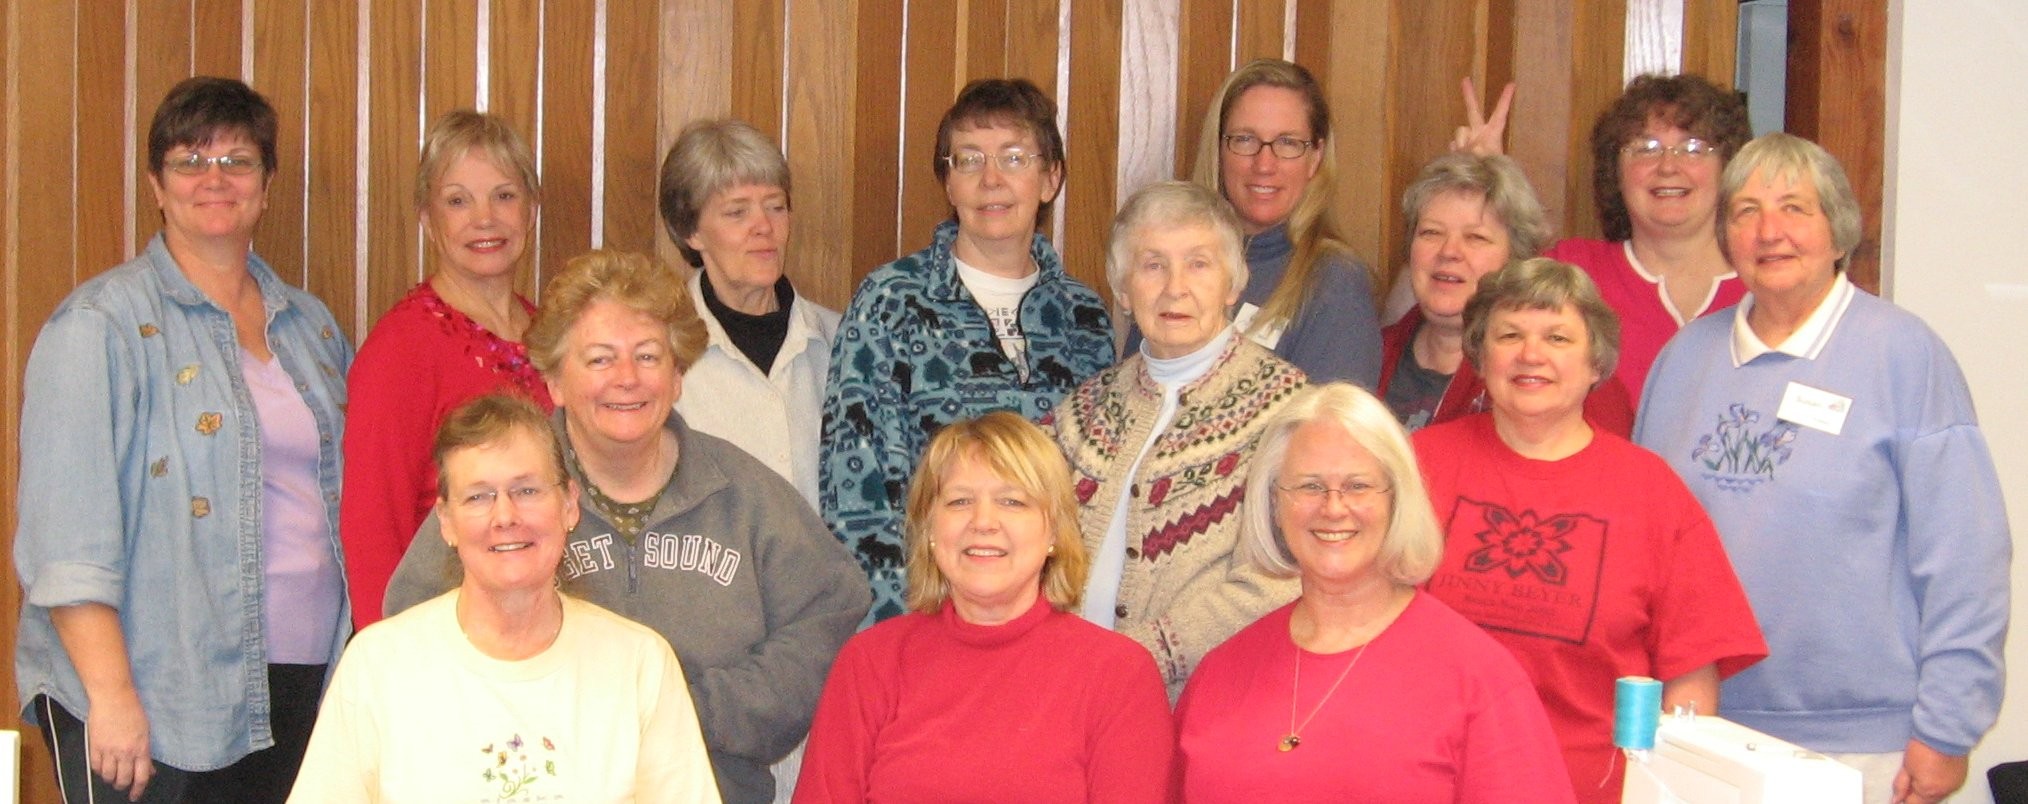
(1876, 558)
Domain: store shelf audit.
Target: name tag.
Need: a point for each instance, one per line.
(1266, 337)
(1814, 408)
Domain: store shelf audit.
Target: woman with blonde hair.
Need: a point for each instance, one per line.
(992, 688)
(457, 335)
(1266, 148)
(1442, 713)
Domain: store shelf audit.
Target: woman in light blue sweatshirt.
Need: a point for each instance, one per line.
(1832, 439)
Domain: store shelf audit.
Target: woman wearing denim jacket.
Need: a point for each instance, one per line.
(178, 554)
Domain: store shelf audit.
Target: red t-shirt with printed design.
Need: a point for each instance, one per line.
(1589, 568)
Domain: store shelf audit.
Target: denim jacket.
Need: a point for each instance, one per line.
(141, 489)
(915, 352)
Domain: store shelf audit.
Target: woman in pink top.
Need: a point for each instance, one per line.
(1656, 155)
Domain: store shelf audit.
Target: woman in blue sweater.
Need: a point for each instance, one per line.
(1831, 437)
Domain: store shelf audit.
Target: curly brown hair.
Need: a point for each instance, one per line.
(1689, 102)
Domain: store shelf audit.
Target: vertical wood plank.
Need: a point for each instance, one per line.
(932, 83)
(1260, 34)
(1433, 48)
(756, 69)
(1837, 96)
(1203, 60)
(631, 158)
(393, 100)
(822, 153)
(215, 39)
(984, 31)
(567, 44)
(450, 57)
(1711, 39)
(514, 64)
(877, 133)
(1597, 53)
(103, 189)
(693, 81)
(162, 57)
(278, 72)
(39, 114)
(1091, 192)
(1355, 79)
(514, 71)
(332, 255)
(1031, 42)
(1313, 33)
(1544, 134)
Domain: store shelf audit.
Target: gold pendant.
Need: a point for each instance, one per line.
(1290, 742)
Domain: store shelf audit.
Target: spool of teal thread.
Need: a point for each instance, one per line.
(1637, 711)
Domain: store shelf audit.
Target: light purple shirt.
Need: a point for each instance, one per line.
(304, 585)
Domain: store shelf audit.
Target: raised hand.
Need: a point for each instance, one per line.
(1482, 135)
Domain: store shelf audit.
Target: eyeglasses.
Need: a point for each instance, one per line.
(479, 503)
(1355, 492)
(196, 164)
(1652, 150)
(970, 162)
(1285, 147)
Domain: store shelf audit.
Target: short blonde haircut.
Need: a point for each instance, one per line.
(1021, 454)
(1413, 544)
(1543, 284)
(634, 280)
(462, 131)
(1169, 204)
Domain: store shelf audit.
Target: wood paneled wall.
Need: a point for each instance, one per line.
(852, 88)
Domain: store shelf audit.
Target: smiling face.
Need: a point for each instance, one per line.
(618, 379)
(1335, 538)
(212, 205)
(742, 231)
(1538, 364)
(1780, 240)
(1264, 188)
(1178, 287)
(478, 217)
(1674, 193)
(506, 513)
(1457, 240)
(994, 204)
(989, 538)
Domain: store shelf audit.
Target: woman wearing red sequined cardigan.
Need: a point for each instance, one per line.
(1159, 444)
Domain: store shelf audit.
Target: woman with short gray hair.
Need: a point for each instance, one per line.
(1467, 216)
(760, 381)
(1818, 422)
(1159, 444)
(1579, 551)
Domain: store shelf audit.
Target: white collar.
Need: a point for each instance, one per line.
(1807, 341)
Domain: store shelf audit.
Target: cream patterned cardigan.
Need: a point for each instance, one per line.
(1184, 589)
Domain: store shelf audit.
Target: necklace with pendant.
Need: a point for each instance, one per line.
(1294, 738)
